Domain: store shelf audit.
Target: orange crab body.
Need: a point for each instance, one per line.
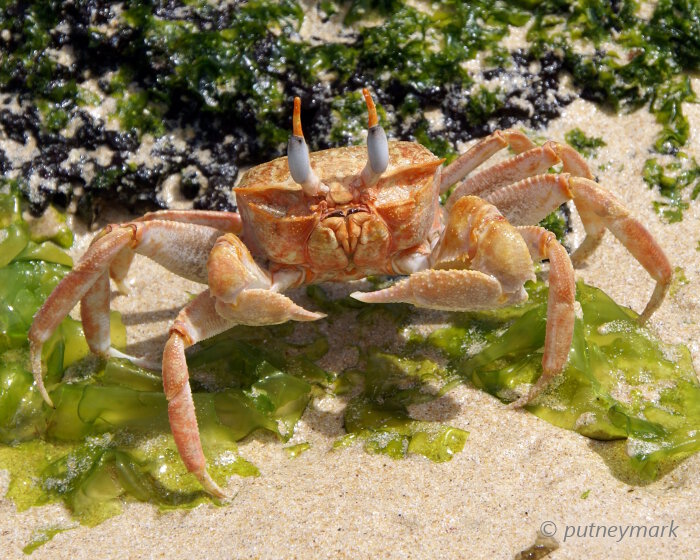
(352, 231)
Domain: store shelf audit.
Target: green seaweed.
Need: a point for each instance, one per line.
(679, 187)
(557, 223)
(379, 415)
(42, 536)
(619, 383)
(587, 145)
(293, 451)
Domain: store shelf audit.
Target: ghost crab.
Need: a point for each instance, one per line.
(342, 214)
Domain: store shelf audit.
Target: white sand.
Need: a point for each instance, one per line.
(516, 471)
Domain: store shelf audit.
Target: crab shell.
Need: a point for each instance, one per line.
(350, 231)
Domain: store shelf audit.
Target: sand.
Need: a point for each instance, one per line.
(516, 472)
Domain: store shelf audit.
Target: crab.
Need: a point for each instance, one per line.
(345, 213)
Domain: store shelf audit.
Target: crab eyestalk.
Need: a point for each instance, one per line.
(298, 156)
(377, 145)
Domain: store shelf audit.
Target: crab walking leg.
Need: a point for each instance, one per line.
(632, 234)
(234, 297)
(119, 269)
(225, 222)
(574, 164)
(94, 315)
(67, 294)
(182, 248)
(529, 163)
(530, 200)
(543, 245)
(482, 151)
(197, 321)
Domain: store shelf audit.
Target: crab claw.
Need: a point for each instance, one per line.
(377, 145)
(298, 156)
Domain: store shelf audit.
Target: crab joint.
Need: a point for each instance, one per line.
(377, 145)
(298, 156)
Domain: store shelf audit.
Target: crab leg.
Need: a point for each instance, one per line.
(94, 315)
(480, 263)
(532, 162)
(237, 295)
(543, 245)
(530, 200)
(182, 248)
(197, 321)
(225, 222)
(482, 151)
(520, 167)
(595, 228)
(448, 290)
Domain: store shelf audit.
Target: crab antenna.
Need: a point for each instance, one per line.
(377, 145)
(298, 156)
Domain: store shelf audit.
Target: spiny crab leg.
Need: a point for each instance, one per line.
(239, 294)
(530, 200)
(182, 248)
(298, 156)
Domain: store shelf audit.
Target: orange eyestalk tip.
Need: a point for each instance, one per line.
(373, 120)
(296, 118)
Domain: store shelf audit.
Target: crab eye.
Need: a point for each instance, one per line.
(298, 156)
(377, 145)
(377, 149)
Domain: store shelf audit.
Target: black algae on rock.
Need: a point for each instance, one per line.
(213, 83)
